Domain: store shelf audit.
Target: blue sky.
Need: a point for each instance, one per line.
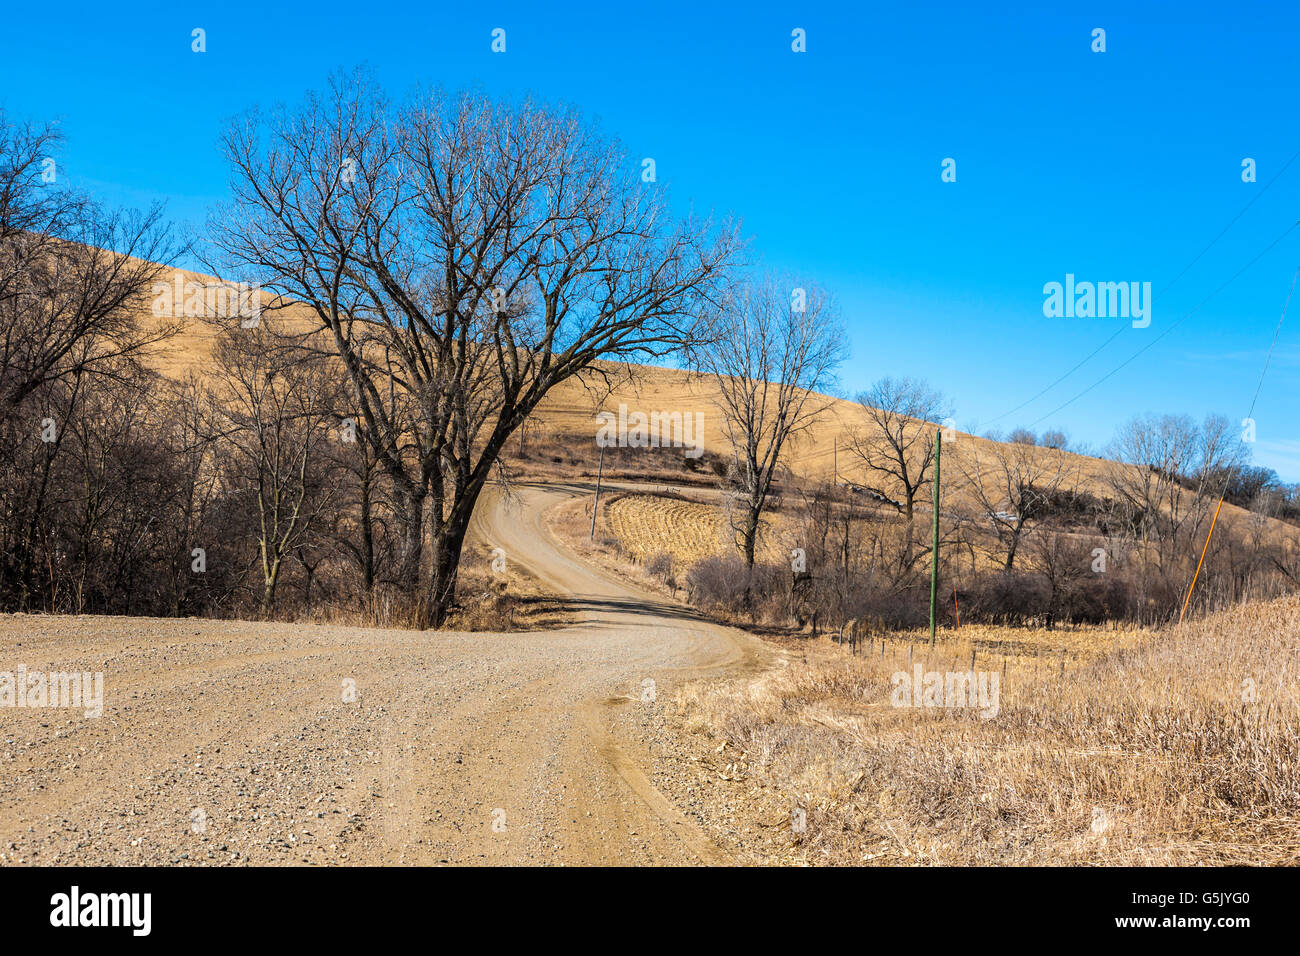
(1115, 166)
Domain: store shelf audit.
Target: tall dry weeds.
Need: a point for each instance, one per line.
(1178, 746)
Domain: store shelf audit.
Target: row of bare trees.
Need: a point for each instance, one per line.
(1028, 531)
(1027, 528)
(79, 484)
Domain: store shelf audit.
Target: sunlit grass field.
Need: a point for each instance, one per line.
(1109, 746)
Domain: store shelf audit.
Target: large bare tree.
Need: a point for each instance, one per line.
(772, 347)
(462, 256)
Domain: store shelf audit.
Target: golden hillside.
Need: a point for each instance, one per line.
(567, 417)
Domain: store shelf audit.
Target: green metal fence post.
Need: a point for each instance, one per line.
(934, 545)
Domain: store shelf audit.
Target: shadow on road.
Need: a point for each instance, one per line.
(614, 605)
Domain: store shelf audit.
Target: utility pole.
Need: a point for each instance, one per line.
(595, 508)
(934, 544)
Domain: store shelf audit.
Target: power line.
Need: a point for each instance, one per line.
(1114, 335)
(1227, 482)
(1173, 326)
(1268, 359)
(1169, 285)
(1258, 195)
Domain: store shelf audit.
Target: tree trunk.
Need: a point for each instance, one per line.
(749, 536)
(445, 572)
(748, 539)
(367, 537)
(908, 513)
(410, 519)
(268, 591)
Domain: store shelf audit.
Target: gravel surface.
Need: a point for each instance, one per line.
(229, 743)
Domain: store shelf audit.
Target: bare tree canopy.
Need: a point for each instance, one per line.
(275, 404)
(897, 446)
(463, 257)
(74, 277)
(1055, 438)
(1181, 467)
(773, 346)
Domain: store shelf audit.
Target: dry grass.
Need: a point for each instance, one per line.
(512, 599)
(1142, 751)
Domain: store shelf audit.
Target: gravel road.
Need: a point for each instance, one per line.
(229, 742)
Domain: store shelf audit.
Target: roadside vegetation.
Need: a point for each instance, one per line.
(1121, 747)
(1028, 535)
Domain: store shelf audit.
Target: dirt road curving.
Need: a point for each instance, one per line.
(231, 742)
